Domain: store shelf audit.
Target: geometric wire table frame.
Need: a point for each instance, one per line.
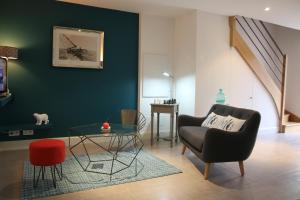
(114, 149)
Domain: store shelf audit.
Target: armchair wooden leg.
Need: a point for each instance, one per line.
(183, 149)
(206, 170)
(241, 164)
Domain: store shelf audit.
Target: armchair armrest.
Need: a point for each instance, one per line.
(186, 120)
(223, 146)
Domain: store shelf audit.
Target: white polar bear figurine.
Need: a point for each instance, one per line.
(40, 118)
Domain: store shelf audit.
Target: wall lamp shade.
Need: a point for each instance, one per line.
(8, 52)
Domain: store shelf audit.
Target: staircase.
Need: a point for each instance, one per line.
(291, 122)
(260, 51)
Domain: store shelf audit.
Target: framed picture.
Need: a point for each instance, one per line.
(77, 48)
(3, 77)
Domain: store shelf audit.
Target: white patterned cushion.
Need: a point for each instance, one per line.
(231, 124)
(213, 120)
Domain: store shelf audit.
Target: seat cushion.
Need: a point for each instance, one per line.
(194, 135)
(47, 152)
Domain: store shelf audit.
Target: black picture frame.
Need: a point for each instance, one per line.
(3, 77)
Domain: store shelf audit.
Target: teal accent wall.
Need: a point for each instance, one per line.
(69, 96)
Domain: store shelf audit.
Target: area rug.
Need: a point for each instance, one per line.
(75, 179)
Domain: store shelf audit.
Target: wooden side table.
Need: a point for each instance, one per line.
(165, 108)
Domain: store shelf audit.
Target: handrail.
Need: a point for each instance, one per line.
(278, 79)
(272, 38)
(267, 49)
(262, 45)
(266, 40)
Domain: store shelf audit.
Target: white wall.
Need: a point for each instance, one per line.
(289, 41)
(197, 47)
(156, 38)
(185, 61)
(173, 39)
(219, 66)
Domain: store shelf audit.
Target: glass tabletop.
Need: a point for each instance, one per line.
(97, 129)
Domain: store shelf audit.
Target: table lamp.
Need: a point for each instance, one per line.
(166, 74)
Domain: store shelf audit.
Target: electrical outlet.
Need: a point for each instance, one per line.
(27, 132)
(14, 133)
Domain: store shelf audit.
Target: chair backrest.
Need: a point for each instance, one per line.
(249, 129)
(252, 117)
(131, 116)
(128, 116)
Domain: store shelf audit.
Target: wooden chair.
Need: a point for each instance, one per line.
(131, 116)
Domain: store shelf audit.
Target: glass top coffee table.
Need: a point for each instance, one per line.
(119, 146)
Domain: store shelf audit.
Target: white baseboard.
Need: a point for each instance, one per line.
(24, 144)
(20, 144)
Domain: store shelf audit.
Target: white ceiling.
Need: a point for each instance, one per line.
(136, 6)
(283, 12)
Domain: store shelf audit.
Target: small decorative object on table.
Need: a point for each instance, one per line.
(40, 118)
(220, 99)
(170, 101)
(105, 126)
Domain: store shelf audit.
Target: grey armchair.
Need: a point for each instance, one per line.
(214, 145)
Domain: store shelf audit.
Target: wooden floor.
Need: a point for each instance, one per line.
(272, 172)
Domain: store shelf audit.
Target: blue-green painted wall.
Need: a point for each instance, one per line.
(69, 96)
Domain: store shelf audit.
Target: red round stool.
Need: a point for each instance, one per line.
(47, 152)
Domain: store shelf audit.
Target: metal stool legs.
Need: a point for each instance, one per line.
(53, 174)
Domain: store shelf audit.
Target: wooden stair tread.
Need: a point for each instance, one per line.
(291, 127)
(286, 118)
(291, 124)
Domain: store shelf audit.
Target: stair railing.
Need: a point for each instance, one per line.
(273, 58)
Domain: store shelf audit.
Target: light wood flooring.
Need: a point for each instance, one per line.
(272, 172)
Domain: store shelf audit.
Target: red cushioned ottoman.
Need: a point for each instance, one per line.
(47, 152)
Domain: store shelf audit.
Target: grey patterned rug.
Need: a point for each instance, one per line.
(75, 179)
